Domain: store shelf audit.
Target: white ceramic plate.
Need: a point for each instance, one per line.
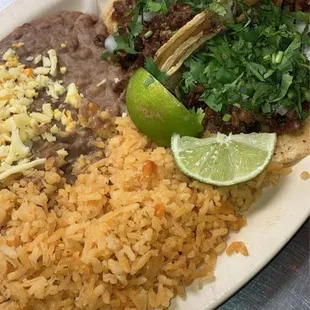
(271, 222)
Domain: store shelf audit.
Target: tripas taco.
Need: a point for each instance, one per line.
(169, 31)
(235, 71)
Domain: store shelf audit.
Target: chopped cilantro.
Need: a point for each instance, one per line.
(199, 114)
(259, 64)
(152, 68)
(106, 55)
(157, 6)
(125, 44)
(197, 5)
(125, 39)
(148, 34)
(218, 8)
(135, 28)
(226, 117)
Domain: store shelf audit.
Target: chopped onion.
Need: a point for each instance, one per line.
(110, 44)
(282, 111)
(147, 16)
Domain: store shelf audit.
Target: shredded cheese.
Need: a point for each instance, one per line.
(17, 149)
(53, 59)
(73, 97)
(21, 168)
(42, 70)
(19, 128)
(63, 70)
(18, 44)
(46, 62)
(37, 59)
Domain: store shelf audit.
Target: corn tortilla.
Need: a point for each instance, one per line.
(292, 147)
(188, 50)
(105, 12)
(200, 23)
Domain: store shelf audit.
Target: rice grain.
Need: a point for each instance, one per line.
(130, 233)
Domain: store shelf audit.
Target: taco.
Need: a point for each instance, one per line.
(203, 27)
(228, 66)
(170, 33)
(253, 78)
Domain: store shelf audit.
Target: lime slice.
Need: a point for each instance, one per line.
(223, 160)
(156, 112)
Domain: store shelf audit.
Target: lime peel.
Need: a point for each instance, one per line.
(156, 112)
(223, 160)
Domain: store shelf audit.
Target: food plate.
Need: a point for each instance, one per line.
(271, 222)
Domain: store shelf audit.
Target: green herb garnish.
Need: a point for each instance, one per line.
(148, 34)
(152, 68)
(157, 6)
(197, 5)
(199, 114)
(125, 38)
(259, 64)
(226, 117)
(218, 8)
(125, 44)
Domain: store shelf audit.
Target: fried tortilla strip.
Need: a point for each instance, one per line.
(292, 147)
(170, 57)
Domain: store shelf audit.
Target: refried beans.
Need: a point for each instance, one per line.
(77, 39)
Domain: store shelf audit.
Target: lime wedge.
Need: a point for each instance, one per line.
(156, 112)
(223, 160)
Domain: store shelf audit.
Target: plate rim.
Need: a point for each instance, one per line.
(263, 263)
(255, 271)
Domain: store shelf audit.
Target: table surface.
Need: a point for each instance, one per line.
(5, 3)
(283, 284)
